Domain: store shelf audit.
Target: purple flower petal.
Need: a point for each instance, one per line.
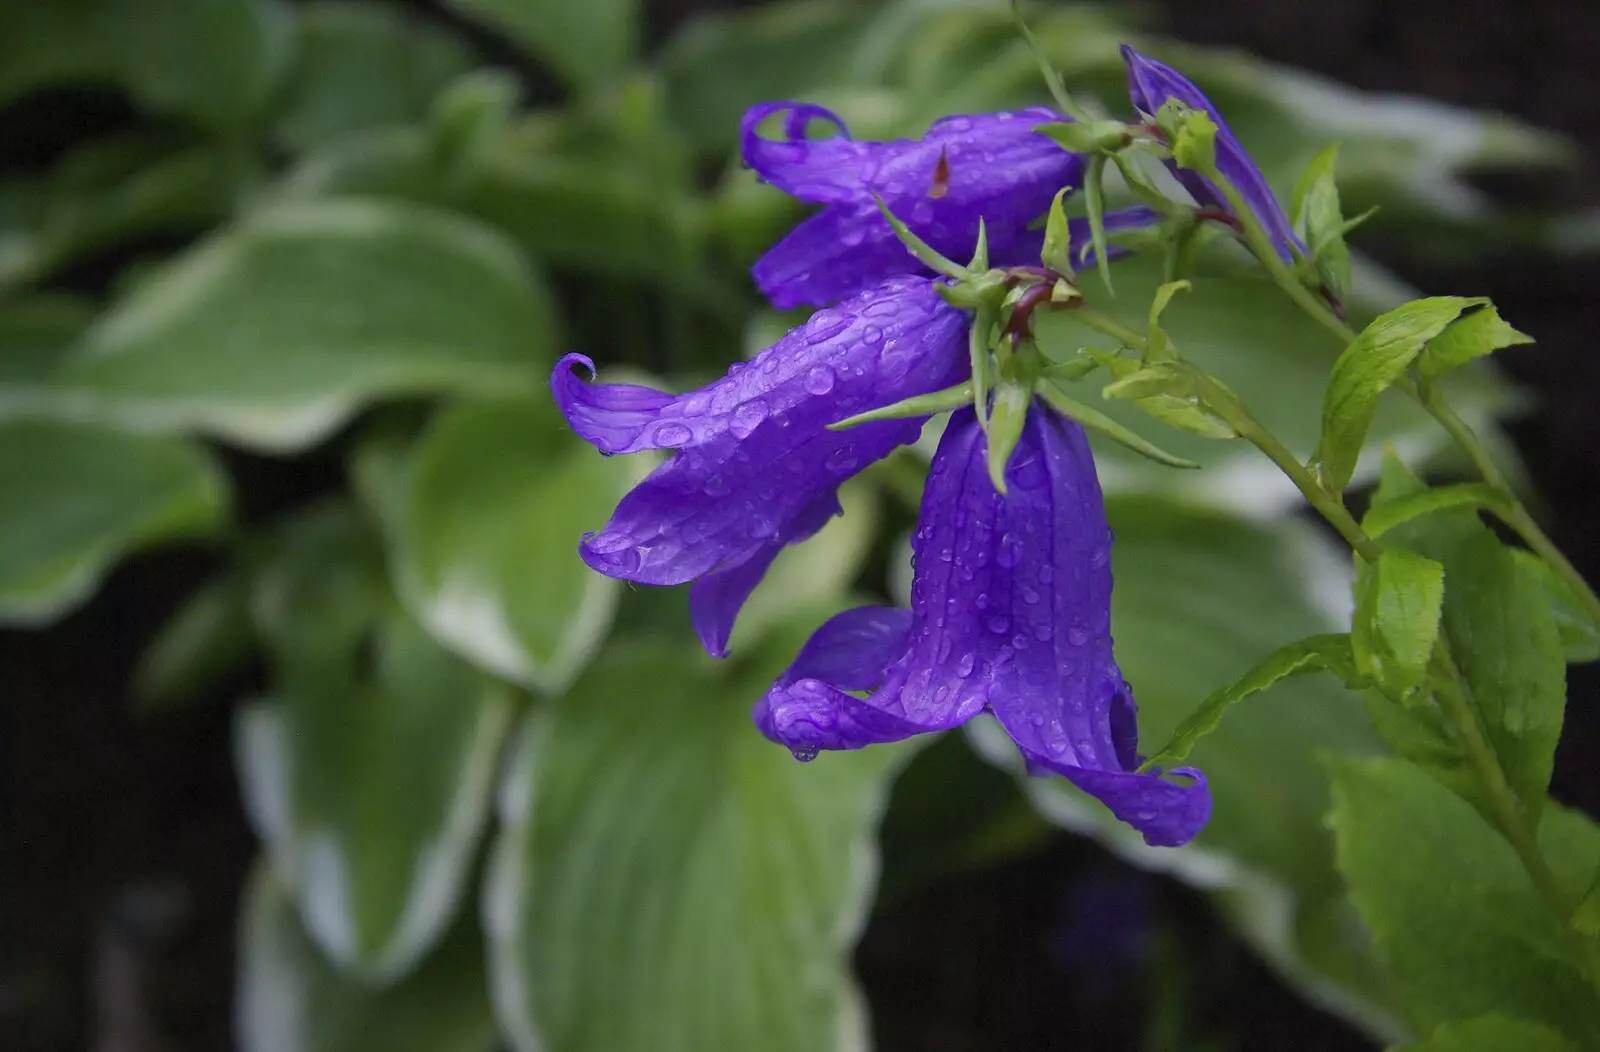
(716, 598)
(1010, 612)
(1150, 85)
(990, 165)
(753, 465)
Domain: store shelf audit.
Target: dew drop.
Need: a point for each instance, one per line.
(819, 381)
(747, 418)
(997, 623)
(1077, 637)
(761, 526)
(871, 335)
(1047, 574)
(609, 542)
(825, 325)
(1041, 632)
(1100, 557)
(1007, 556)
(982, 602)
(841, 461)
(852, 235)
(922, 212)
(965, 665)
(804, 753)
(1030, 596)
(671, 436)
(1019, 642)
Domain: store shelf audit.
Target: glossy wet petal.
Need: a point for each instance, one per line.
(1150, 85)
(752, 452)
(990, 165)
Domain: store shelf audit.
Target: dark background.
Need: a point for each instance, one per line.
(122, 844)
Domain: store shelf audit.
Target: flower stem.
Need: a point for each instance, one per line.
(1260, 243)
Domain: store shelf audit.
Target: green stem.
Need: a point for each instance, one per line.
(1519, 519)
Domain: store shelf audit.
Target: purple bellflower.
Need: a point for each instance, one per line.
(1010, 614)
(992, 165)
(1150, 85)
(753, 465)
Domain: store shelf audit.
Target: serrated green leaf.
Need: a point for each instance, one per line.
(1374, 361)
(1381, 518)
(1493, 1033)
(1399, 599)
(494, 498)
(361, 65)
(1166, 392)
(1328, 652)
(274, 332)
(757, 869)
(1472, 335)
(289, 998)
(1095, 420)
(1319, 220)
(368, 770)
(1580, 634)
(78, 497)
(1453, 912)
(588, 44)
(1199, 596)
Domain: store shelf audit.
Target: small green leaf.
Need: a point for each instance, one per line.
(1057, 252)
(1165, 390)
(78, 497)
(1451, 909)
(1493, 1033)
(1009, 413)
(760, 868)
(274, 332)
(289, 998)
(1160, 345)
(1399, 599)
(1375, 360)
(1067, 406)
(1317, 218)
(917, 405)
(1381, 518)
(208, 637)
(1474, 334)
(1087, 137)
(588, 43)
(1330, 653)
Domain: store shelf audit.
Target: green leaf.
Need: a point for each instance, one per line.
(368, 770)
(588, 44)
(1493, 1033)
(1322, 653)
(760, 869)
(362, 65)
(1373, 362)
(207, 637)
(1498, 618)
(1166, 391)
(290, 999)
(274, 332)
(80, 497)
(484, 538)
(1098, 421)
(1382, 518)
(1160, 344)
(1201, 595)
(1454, 914)
(1247, 334)
(1579, 632)
(1399, 600)
(1473, 335)
(214, 62)
(1087, 136)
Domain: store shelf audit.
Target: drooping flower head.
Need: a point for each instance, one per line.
(753, 466)
(1010, 614)
(993, 166)
(1150, 85)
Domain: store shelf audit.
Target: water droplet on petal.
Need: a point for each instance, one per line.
(965, 665)
(1041, 632)
(872, 336)
(716, 486)
(804, 753)
(747, 418)
(819, 381)
(671, 436)
(825, 325)
(1077, 637)
(1047, 574)
(841, 461)
(997, 623)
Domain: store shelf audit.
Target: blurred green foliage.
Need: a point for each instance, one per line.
(365, 239)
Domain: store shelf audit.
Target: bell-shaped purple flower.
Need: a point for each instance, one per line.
(1010, 614)
(1150, 85)
(753, 465)
(993, 166)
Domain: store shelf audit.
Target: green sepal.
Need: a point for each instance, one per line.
(920, 248)
(979, 338)
(980, 254)
(1087, 137)
(1193, 135)
(1052, 78)
(921, 405)
(1006, 417)
(1057, 251)
(1160, 347)
(1098, 421)
(1095, 203)
(1141, 184)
